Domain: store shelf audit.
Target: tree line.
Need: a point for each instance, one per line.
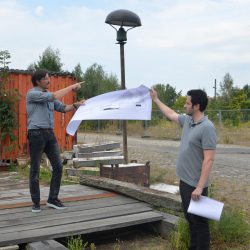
(97, 81)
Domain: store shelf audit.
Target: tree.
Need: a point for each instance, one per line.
(50, 60)
(79, 78)
(97, 82)
(179, 104)
(8, 99)
(78, 73)
(4, 57)
(226, 87)
(246, 89)
(167, 94)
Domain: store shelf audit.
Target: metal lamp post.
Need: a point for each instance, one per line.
(123, 18)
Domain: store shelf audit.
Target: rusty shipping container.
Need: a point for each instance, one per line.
(21, 80)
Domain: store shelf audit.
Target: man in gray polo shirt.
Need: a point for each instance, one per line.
(40, 105)
(195, 160)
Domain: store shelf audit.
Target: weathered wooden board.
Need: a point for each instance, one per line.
(81, 227)
(151, 196)
(93, 211)
(93, 147)
(95, 161)
(83, 170)
(99, 154)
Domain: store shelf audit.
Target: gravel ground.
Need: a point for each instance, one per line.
(231, 161)
(230, 174)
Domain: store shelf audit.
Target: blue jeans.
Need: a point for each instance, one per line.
(198, 226)
(43, 140)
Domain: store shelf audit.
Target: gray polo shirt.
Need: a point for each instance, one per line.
(195, 138)
(40, 108)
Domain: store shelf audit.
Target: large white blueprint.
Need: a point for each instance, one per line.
(206, 207)
(130, 104)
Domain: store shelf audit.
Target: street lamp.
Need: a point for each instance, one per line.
(123, 18)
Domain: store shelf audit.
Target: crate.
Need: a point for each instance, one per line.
(136, 173)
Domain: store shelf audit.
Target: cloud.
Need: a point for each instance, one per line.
(178, 41)
(39, 10)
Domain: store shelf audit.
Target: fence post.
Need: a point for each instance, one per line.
(145, 130)
(220, 118)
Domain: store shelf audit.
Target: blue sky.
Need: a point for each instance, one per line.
(184, 43)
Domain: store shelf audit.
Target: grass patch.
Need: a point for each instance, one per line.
(45, 175)
(231, 232)
(233, 227)
(76, 243)
(179, 238)
(158, 174)
(164, 129)
(163, 175)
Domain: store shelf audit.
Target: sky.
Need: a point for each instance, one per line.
(185, 43)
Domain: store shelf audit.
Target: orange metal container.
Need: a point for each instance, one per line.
(21, 80)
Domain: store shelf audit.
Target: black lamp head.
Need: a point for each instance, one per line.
(123, 18)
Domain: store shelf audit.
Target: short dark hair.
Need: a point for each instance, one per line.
(198, 96)
(38, 75)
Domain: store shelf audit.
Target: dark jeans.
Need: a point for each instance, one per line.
(44, 141)
(198, 226)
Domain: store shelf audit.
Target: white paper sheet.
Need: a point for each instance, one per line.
(130, 104)
(206, 207)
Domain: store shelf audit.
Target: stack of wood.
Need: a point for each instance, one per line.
(106, 160)
(86, 158)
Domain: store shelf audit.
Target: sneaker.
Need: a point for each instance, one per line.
(36, 208)
(55, 204)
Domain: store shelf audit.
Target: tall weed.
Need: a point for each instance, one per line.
(76, 243)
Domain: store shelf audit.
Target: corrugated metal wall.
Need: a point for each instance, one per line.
(22, 82)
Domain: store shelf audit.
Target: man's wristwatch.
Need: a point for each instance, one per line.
(75, 105)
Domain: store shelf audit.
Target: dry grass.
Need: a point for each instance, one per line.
(234, 193)
(165, 129)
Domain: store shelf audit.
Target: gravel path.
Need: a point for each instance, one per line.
(231, 161)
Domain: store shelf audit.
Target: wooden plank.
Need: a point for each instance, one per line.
(23, 212)
(99, 154)
(68, 155)
(65, 199)
(151, 196)
(78, 228)
(15, 196)
(93, 147)
(83, 170)
(52, 212)
(95, 161)
(45, 221)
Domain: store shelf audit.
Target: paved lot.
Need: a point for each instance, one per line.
(231, 161)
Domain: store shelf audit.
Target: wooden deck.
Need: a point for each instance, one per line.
(88, 210)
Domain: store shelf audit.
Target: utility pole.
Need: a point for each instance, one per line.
(215, 89)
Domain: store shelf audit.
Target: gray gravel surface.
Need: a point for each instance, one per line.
(231, 161)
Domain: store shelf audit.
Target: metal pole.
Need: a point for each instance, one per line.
(215, 89)
(124, 123)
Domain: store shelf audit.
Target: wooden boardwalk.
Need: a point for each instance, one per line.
(88, 210)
